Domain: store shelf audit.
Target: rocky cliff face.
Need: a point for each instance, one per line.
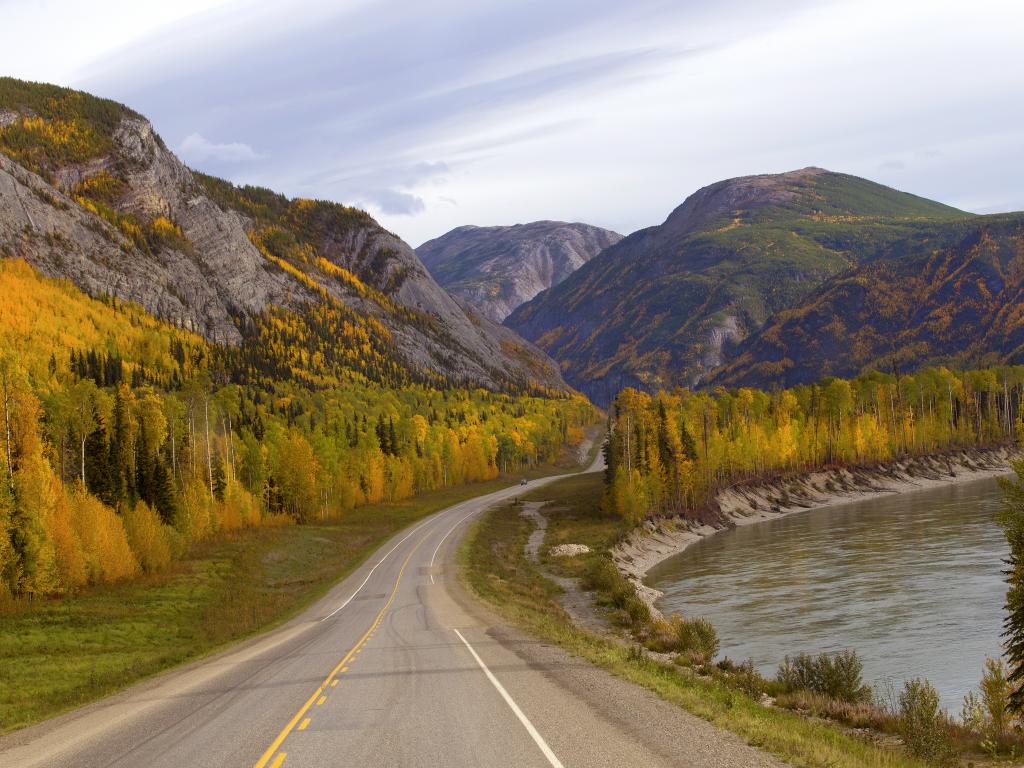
(115, 212)
(666, 305)
(498, 268)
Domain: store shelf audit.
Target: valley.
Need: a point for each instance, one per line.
(278, 489)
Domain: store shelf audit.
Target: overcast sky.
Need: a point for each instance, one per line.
(436, 113)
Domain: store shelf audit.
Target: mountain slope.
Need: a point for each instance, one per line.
(88, 191)
(953, 295)
(499, 268)
(663, 306)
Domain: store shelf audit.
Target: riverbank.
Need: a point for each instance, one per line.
(659, 539)
(520, 574)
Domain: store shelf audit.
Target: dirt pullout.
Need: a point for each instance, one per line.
(744, 504)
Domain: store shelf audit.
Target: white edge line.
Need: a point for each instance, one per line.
(460, 522)
(499, 496)
(357, 590)
(552, 758)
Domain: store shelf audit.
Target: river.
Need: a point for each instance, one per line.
(913, 582)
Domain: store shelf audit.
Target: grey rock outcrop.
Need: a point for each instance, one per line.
(215, 274)
(499, 268)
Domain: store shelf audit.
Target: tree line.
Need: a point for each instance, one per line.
(673, 451)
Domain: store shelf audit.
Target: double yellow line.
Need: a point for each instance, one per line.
(265, 759)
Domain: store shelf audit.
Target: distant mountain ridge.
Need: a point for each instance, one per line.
(665, 306)
(88, 191)
(498, 268)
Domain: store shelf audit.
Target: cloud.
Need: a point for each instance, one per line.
(196, 148)
(589, 110)
(394, 202)
(386, 189)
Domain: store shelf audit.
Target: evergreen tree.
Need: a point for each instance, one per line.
(664, 447)
(163, 498)
(689, 446)
(392, 437)
(144, 470)
(99, 477)
(219, 479)
(122, 469)
(272, 497)
(1012, 520)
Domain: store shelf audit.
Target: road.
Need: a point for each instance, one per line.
(396, 666)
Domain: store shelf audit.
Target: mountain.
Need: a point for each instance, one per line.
(89, 192)
(952, 295)
(664, 306)
(498, 268)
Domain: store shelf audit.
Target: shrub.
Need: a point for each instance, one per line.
(695, 639)
(972, 715)
(922, 724)
(662, 636)
(748, 679)
(838, 676)
(858, 715)
(995, 695)
(698, 636)
(637, 610)
(604, 577)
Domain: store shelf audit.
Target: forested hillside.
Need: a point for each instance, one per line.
(125, 440)
(671, 452)
(953, 295)
(666, 305)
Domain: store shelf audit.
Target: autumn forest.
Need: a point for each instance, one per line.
(126, 441)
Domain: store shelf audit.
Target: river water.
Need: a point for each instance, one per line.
(912, 582)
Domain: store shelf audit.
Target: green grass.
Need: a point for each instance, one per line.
(59, 654)
(495, 568)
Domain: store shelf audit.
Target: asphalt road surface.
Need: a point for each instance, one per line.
(396, 666)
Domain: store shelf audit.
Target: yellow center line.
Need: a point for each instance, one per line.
(340, 667)
(321, 700)
(304, 725)
(334, 682)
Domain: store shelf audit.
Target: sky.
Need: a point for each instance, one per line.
(432, 114)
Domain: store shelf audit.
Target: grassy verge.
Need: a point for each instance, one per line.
(496, 569)
(59, 654)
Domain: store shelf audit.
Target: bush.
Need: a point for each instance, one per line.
(923, 726)
(637, 610)
(838, 676)
(856, 715)
(748, 679)
(695, 639)
(995, 695)
(604, 577)
(698, 636)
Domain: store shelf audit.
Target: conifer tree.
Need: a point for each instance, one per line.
(99, 478)
(1012, 519)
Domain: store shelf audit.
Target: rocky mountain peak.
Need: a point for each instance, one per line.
(115, 211)
(498, 268)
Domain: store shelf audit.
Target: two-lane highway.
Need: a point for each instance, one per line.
(393, 667)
